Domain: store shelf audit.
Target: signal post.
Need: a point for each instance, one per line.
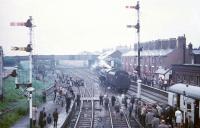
(139, 49)
(28, 86)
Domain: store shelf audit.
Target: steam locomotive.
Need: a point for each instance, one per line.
(116, 79)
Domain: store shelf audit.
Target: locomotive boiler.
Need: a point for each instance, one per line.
(118, 80)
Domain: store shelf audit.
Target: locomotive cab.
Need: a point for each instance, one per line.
(118, 80)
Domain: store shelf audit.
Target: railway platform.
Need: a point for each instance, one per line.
(49, 107)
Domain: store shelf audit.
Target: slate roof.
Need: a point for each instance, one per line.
(161, 52)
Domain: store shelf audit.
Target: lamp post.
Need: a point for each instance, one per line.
(137, 26)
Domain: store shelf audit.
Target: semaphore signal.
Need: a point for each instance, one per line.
(139, 49)
(28, 48)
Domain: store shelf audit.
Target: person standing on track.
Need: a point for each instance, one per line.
(117, 109)
(68, 102)
(78, 100)
(101, 99)
(132, 101)
(106, 102)
(130, 109)
(113, 99)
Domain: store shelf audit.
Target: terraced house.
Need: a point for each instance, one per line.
(157, 57)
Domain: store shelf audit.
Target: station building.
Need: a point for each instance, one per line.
(110, 59)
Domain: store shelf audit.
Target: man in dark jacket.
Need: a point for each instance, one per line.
(130, 109)
(68, 103)
(132, 100)
(101, 99)
(55, 118)
(42, 118)
(113, 99)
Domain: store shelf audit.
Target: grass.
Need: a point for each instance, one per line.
(15, 103)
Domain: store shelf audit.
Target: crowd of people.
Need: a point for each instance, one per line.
(63, 94)
(43, 119)
(149, 115)
(160, 83)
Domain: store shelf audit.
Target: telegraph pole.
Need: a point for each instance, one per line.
(137, 26)
(28, 48)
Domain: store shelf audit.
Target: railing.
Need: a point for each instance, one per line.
(49, 90)
(146, 91)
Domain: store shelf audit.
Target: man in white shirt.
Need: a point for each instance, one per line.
(34, 115)
(178, 115)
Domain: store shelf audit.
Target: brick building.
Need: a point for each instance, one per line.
(186, 73)
(186, 86)
(158, 54)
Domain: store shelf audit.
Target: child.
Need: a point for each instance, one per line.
(49, 119)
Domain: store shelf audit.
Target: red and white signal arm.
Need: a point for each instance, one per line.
(17, 23)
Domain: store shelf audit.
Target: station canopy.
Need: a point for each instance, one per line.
(185, 89)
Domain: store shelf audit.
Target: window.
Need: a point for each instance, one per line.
(193, 80)
(198, 80)
(178, 78)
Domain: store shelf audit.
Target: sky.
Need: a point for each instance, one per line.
(72, 26)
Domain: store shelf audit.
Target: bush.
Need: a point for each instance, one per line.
(21, 111)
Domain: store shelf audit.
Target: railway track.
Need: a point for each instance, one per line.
(154, 94)
(86, 112)
(90, 114)
(85, 117)
(118, 121)
(102, 117)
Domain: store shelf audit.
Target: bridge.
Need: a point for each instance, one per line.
(56, 59)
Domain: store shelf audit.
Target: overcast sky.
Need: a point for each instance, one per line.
(71, 26)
